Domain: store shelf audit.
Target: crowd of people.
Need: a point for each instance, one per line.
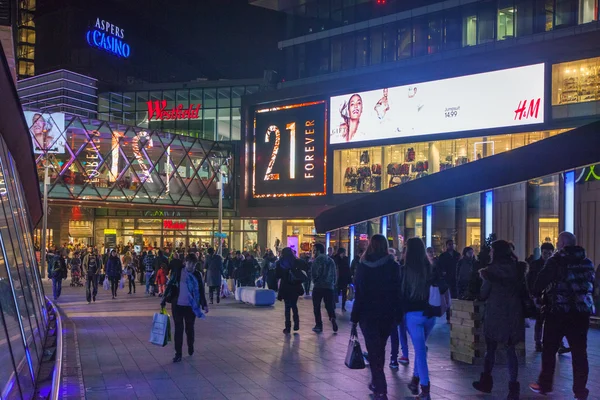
(392, 291)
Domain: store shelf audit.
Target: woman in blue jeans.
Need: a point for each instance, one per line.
(418, 275)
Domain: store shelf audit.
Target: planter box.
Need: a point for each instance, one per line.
(467, 342)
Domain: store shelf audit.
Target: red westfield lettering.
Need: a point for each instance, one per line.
(157, 109)
(523, 112)
(175, 225)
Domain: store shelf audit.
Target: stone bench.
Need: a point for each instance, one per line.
(255, 296)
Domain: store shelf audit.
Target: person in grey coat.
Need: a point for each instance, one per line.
(214, 273)
(504, 323)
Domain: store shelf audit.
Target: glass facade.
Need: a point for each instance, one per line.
(217, 118)
(371, 169)
(576, 81)
(24, 320)
(448, 29)
(99, 161)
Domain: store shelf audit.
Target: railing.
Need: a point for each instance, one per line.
(56, 374)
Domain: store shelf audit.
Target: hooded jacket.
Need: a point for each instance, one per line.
(324, 272)
(376, 295)
(502, 290)
(114, 268)
(567, 282)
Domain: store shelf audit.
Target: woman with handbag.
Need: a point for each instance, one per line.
(418, 279)
(290, 272)
(504, 292)
(376, 305)
(114, 271)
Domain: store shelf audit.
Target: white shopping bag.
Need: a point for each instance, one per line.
(161, 329)
(122, 283)
(225, 292)
(106, 284)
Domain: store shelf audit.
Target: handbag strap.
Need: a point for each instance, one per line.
(353, 332)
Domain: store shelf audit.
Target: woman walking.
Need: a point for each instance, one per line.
(344, 276)
(130, 270)
(418, 276)
(185, 292)
(376, 304)
(290, 272)
(503, 288)
(114, 270)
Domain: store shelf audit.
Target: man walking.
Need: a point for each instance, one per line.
(567, 281)
(324, 281)
(91, 267)
(149, 270)
(447, 265)
(534, 269)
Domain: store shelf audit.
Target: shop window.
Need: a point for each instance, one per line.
(389, 43)
(404, 40)
(452, 29)
(566, 10)
(434, 34)
(236, 125)
(524, 16)
(419, 36)
(210, 98)
(576, 82)
(362, 49)
(413, 223)
(543, 213)
(544, 15)
(361, 170)
(324, 56)
(336, 54)
(486, 22)
(348, 52)
(376, 45)
(506, 19)
(588, 11)
(469, 37)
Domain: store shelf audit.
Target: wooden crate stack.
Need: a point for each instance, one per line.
(467, 342)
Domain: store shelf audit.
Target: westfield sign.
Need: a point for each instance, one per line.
(157, 110)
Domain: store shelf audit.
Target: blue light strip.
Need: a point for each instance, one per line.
(489, 213)
(351, 235)
(428, 220)
(570, 201)
(384, 226)
(327, 240)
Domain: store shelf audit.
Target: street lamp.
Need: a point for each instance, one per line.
(47, 165)
(223, 163)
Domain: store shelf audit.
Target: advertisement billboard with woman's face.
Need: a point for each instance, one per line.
(46, 131)
(504, 98)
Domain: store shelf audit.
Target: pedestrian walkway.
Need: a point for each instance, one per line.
(241, 354)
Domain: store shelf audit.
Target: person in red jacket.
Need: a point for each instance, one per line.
(161, 279)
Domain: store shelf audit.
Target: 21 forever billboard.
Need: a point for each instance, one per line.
(289, 151)
(508, 97)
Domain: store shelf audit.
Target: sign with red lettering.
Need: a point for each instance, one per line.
(496, 99)
(174, 225)
(157, 110)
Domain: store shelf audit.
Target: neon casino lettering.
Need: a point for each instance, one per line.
(137, 151)
(309, 159)
(107, 36)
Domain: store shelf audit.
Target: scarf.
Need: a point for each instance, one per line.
(194, 295)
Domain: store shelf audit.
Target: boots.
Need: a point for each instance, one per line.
(210, 297)
(485, 383)
(514, 388)
(424, 395)
(296, 323)
(288, 326)
(413, 386)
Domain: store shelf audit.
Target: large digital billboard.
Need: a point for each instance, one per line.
(290, 151)
(503, 98)
(46, 131)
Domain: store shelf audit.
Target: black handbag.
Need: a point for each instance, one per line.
(354, 355)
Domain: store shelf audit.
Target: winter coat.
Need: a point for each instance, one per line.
(376, 294)
(246, 272)
(447, 266)
(214, 270)
(114, 268)
(149, 263)
(161, 277)
(324, 274)
(287, 290)
(343, 271)
(91, 268)
(567, 281)
(464, 273)
(503, 290)
(172, 290)
(58, 268)
(532, 273)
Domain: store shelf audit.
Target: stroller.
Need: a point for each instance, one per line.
(76, 278)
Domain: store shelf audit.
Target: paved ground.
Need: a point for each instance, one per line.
(241, 354)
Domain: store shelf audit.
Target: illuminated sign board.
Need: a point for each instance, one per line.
(509, 97)
(108, 37)
(290, 151)
(46, 131)
(174, 225)
(157, 110)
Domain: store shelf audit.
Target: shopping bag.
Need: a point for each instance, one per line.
(231, 285)
(106, 284)
(354, 354)
(224, 289)
(122, 283)
(350, 292)
(161, 329)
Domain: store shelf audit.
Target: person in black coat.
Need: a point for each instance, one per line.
(535, 267)
(376, 304)
(447, 266)
(290, 272)
(344, 275)
(114, 270)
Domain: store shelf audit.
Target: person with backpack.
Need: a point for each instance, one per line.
(214, 274)
(58, 272)
(114, 271)
(92, 267)
(324, 277)
(149, 269)
(290, 272)
(417, 282)
(376, 304)
(503, 290)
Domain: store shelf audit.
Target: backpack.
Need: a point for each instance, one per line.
(92, 267)
(296, 275)
(57, 271)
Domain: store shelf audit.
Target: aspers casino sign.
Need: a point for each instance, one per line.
(108, 37)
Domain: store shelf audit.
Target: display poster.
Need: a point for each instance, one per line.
(509, 97)
(289, 151)
(46, 131)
